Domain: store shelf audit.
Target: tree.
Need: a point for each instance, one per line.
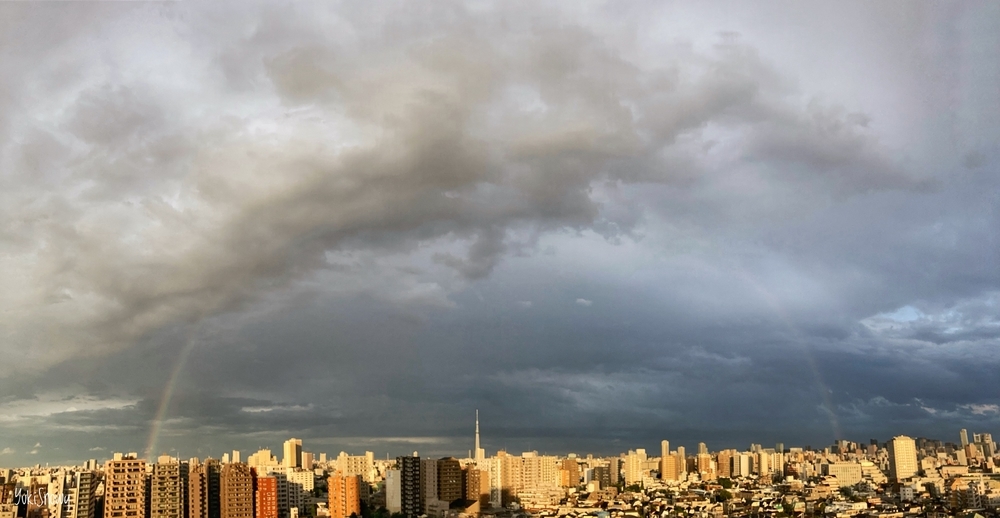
(726, 483)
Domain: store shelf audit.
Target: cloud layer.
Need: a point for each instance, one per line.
(596, 226)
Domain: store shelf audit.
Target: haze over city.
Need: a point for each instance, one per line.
(226, 224)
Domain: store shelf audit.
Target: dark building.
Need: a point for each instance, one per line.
(410, 496)
(449, 474)
(203, 490)
(603, 476)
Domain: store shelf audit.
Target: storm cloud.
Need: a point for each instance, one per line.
(602, 225)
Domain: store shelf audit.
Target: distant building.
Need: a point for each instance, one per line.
(847, 473)
(902, 458)
(633, 466)
(292, 453)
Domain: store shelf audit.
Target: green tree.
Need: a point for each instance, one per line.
(726, 483)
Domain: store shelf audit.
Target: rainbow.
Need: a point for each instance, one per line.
(166, 397)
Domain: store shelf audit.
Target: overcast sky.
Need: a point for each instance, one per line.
(602, 225)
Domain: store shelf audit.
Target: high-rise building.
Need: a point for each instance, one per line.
(344, 495)
(292, 453)
(702, 449)
(724, 464)
(902, 458)
(633, 466)
(449, 480)
(236, 494)
(197, 495)
(411, 497)
(265, 497)
(86, 494)
(668, 467)
(165, 493)
(681, 461)
(963, 436)
(666, 464)
(125, 487)
(429, 483)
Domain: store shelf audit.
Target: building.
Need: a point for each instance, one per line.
(86, 494)
(165, 490)
(293, 453)
(197, 495)
(236, 495)
(345, 495)
(449, 480)
(633, 466)
(363, 465)
(266, 497)
(125, 487)
(262, 460)
(664, 458)
(569, 474)
(300, 485)
(669, 469)
(393, 498)
(902, 458)
(847, 473)
(410, 494)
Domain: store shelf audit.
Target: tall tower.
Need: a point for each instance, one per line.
(480, 454)
(963, 435)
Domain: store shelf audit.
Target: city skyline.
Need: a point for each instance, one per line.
(292, 451)
(602, 224)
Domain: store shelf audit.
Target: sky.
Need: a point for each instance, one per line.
(602, 225)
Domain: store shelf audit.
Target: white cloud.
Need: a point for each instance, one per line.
(6, 451)
(985, 409)
(524, 303)
(584, 302)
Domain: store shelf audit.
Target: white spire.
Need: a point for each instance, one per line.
(479, 451)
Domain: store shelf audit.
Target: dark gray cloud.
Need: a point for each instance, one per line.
(358, 224)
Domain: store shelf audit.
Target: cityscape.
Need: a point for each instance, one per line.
(900, 477)
(499, 258)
